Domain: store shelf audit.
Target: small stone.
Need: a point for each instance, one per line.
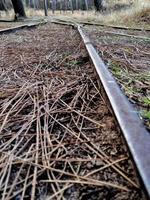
(89, 165)
(99, 163)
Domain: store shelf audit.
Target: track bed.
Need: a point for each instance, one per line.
(59, 139)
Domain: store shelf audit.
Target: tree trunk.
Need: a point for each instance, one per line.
(98, 5)
(19, 9)
(61, 6)
(77, 5)
(3, 5)
(53, 6)
(45, 8)
(72, 6)
(86, 3)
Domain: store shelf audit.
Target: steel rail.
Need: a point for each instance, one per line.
(124, 35)
(134, 132)
(69, 22)
(103, 25)
(15, 28)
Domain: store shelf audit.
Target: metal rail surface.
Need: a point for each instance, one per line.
(133, 130)
(28, 25)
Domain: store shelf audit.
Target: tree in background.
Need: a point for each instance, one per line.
(98, 5)
(19, 9)
(3, 5)
(62, 5)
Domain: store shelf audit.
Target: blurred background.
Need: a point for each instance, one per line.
(127, 12)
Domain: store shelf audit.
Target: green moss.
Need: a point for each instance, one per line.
(143, 76)
(131, 90)
(146, 114)
(116, 69)
(146, 101)
(74, 62)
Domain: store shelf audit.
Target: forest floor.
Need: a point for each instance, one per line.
(59, 139)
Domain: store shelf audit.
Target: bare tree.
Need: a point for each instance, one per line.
(45, 7)
(19, 9)
(86, 3)
(98, 5)
(77, 5)
(3, 5)
(53, 6)
(71, 6)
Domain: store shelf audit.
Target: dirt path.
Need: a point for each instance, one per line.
(128, 58)
(58, 137)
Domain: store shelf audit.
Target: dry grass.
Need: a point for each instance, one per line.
(118, 12)
(137, 14)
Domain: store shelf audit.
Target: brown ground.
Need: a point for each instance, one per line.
(128, 58)
(58, 137)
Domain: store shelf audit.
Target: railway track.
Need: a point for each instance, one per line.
(62, 121)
